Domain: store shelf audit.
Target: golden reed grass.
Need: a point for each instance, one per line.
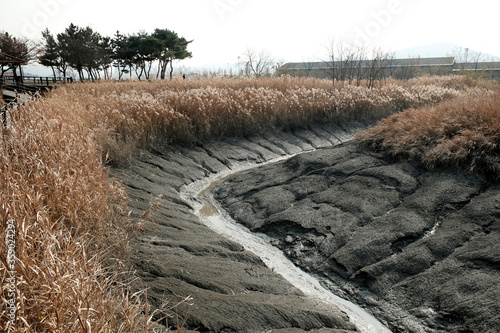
(70, 224)
(126, 115)
(461, 134)
(70, 216)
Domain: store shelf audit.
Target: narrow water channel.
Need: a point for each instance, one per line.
(208, 209)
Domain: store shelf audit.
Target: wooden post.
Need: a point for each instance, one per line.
(4, 116)
(21, 71)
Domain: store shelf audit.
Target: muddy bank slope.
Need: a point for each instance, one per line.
(415, 246)
(175, 255)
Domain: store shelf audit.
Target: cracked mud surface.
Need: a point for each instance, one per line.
(420, 248)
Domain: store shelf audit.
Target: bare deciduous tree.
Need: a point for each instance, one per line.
(467, 59)
(330, 61)
(257, 64)
(348, 62)
(377, 66)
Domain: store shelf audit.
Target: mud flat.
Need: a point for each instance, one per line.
(199, 194)
(176, 255)
(419, 248)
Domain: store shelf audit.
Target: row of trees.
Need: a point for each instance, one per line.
(93, 56)
(87, 51)
(352, 63)
(349, 62)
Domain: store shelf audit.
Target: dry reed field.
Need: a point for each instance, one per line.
(127, 115)
(60, 209)
(64, 224)
(460, 134)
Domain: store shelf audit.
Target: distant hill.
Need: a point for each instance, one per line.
(441, 49)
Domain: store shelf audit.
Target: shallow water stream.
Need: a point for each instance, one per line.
(207, 208)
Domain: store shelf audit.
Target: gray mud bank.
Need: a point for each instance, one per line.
(419, 249)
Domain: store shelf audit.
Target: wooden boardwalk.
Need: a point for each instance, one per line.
(5, 110)
(31, 84)
(20, 90)
(13, 94)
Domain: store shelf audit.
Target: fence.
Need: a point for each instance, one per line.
(5, 110)
(27, 87)
(31, 83)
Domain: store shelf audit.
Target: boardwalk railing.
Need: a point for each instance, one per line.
(20, 99)
(23, 90)
(31, 83)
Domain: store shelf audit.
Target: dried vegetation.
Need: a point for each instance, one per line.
(70, 216)
(462, 133)
(127, 115)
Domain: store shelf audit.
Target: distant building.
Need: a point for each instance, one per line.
(486, 69)
(406, 68)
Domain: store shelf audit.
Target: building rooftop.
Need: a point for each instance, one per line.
(420, 62)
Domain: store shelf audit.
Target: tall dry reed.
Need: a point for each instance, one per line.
(64, 223)
(126, 115)
(461, 134)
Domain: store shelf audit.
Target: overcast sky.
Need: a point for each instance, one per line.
(289, 30)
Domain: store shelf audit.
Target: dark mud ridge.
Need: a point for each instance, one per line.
(419, 249)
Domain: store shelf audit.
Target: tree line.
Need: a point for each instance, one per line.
(349, 62)
(353, 63)
(93, 56)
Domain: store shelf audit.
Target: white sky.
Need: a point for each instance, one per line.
(289, 30)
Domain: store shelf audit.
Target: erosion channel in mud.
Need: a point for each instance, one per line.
(199, 195)
(417, 248)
